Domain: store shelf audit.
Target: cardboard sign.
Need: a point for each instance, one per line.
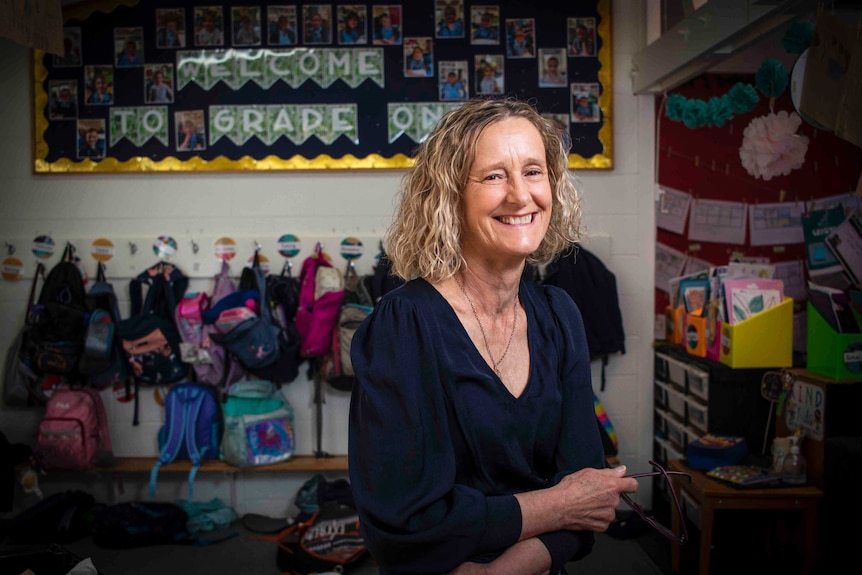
(806, 409)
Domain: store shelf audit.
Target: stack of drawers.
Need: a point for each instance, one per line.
(694, 396)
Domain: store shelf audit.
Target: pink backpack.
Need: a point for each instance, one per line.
(321, 289)
(208, 359)
(74, 434)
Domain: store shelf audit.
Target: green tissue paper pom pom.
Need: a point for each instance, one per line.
(743, 98)
(771, 78)
(718, 110)
(694, 115)
(675, 106)
(798, 37)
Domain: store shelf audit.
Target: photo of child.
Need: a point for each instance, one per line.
(191, 131)
(71, 48)
(170, 28)
(387, 25)
(552, 67)
(98, 85)
(281, 23)
(245, 24)
(418, 57)
(488, 70)
(352, 24)
(159, 83)
(209, 26)
(453, 81)
(520, 38)
(449, 16)
(582, 36)
(317, 27)
(91, 139)
(585, 102)
(485, 25)
(129, 47)
(63, 99)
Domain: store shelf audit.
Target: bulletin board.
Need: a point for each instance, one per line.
(180, 87)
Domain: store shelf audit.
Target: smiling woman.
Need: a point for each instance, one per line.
(488, 378)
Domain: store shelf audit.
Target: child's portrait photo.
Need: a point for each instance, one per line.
(63, 95)
(98, 85)
(170, 28)
(352, 24)
(71, 49)
(191, 130)
(418, 57)
(281, 24)
(485, 25)
(585, 102)
(449, 16)
(386, 25)
(91, 139)
(552, 67)
(520, 38)
(209, 26)
(582, 36)
(453, 81)
(129, 47)
(317, 23)
(245, 24)
(159, 83)
(488, 71)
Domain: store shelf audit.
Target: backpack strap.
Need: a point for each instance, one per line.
(174, 441)
(40, 271)
(192, 448)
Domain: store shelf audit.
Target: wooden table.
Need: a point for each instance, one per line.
(713, 495)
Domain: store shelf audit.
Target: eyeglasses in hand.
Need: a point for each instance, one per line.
(683, 536)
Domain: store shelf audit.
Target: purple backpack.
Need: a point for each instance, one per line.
(193, 428)
(73, 434)
(208, 358)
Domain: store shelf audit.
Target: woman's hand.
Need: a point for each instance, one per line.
(584, 500)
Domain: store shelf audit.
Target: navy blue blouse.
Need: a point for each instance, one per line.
(438, 446)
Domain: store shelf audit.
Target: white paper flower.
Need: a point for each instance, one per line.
(771, 146)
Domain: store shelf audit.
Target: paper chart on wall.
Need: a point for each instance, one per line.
(694, 265)
(849, 201)
(717, 221)
(671, 209)
(774, 224)
(669, 263)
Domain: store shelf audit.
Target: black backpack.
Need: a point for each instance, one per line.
(63, 517)
(593, 287)
(58, 320)
(103, 360)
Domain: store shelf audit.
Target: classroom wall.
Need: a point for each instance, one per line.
(322, 206)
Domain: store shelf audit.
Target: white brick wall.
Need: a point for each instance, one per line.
(329, 206)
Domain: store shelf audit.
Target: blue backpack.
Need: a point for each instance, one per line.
(194, 423)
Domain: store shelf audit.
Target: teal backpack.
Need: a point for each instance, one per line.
(258, 425)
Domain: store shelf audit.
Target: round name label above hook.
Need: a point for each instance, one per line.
(165, 247)
(12, 269)
(224, 249)
(102, 250)
(289, 245)
(43, 247)
(351, 248)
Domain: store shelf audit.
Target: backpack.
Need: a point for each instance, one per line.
(383, 281)
(63, 517)
(149, 335)
(593, 287)
(103, 361)
(258, 425)
(338, 367)
(320, 293)
(21, 384)
(58, 318)
(193, 428)
(282, 291)
(264, 348)
(74, 434)
(208, 359)
(330, 539)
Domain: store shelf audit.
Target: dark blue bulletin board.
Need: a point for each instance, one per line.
(248, 94)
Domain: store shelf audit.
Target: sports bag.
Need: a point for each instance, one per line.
(58, 318)
(139, 523)
(329, 541)
(193, 427)
(63, 517)
(320, 293)
(74, 434)
(103, 361)
(259, 425)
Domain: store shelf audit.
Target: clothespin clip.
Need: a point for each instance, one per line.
(781, 195)
(697, 161)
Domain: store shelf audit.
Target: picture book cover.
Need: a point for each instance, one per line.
(748, 297)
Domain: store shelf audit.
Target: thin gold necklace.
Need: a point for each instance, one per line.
(494, 364)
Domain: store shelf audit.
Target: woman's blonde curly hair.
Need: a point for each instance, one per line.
(424, 239)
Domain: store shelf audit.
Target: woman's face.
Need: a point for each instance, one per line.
(507, 201)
